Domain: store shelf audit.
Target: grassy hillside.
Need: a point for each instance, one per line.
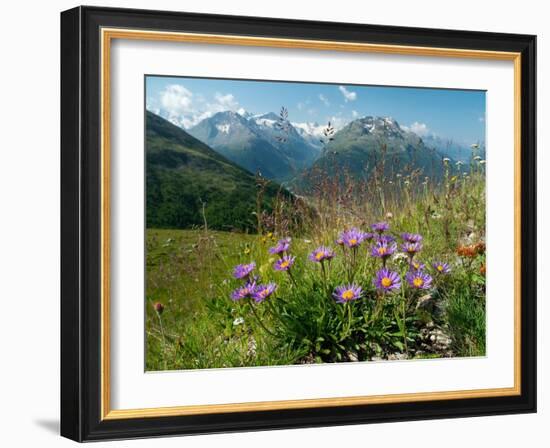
(188, 182)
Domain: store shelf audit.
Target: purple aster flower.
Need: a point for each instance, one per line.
(340, 241)
(385, 238)
(411, 248)
(380, 227)
(419, 280)
(411, 237)
(383, 250)
(282, 246)
(353, 237)
(284, 263)
(441, 268)
(262, 292)
(370, 236)
(387, 280)
(347, 293)
(417, 265)
(321, 254)
(243, 270)
(244, 292)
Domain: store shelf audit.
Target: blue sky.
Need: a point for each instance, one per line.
(455, 114)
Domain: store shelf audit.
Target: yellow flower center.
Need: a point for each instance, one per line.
(416, 265)
(264, 292)
(418, 282)
(285, 264)
(353, 241)
(319, 255)
(386, 282)
(382, 250)
(440, 268)
(348, 295)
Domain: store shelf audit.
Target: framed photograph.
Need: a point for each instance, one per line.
(276, 224)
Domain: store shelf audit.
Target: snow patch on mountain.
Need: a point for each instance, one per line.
(225, 127)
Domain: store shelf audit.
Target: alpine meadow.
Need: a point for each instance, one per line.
(299, 223)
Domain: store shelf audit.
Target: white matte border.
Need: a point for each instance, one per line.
(131, 387)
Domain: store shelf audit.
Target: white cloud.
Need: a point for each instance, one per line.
(348, 94)
(420, 129)
(178, 105)
(226, 102)
(324, 99)
(354, 113)
(176, 99)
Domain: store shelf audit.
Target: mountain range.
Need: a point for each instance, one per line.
(255, 143)
(214, 163)
(189, 182)
(370, 142)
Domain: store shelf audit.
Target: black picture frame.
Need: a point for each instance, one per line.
(81, 226)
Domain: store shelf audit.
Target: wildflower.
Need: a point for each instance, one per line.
(389, 215)
(419, 280)
(477, 158)
(158, 307)
(472, 250)
(446, 160)
(387, 280)
(459, 163)
(282, 246)
(482, 162)
(474, 145)
(383, 249)
(244, 292)
(284, 263)
(347, 293)
(353, 237)
(441, 268)
(380, 227)
(243, 270)
(411, 248)
(417, 265)
(340, 241)
(400, 257)
(321, 254)
(411, 237)
(262, 292)
(385, 238)
(238, 321)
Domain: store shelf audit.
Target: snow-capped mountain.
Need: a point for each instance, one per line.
(255, 142)
(360, 145)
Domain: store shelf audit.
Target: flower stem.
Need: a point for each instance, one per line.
(260, 321)
(292, 278)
